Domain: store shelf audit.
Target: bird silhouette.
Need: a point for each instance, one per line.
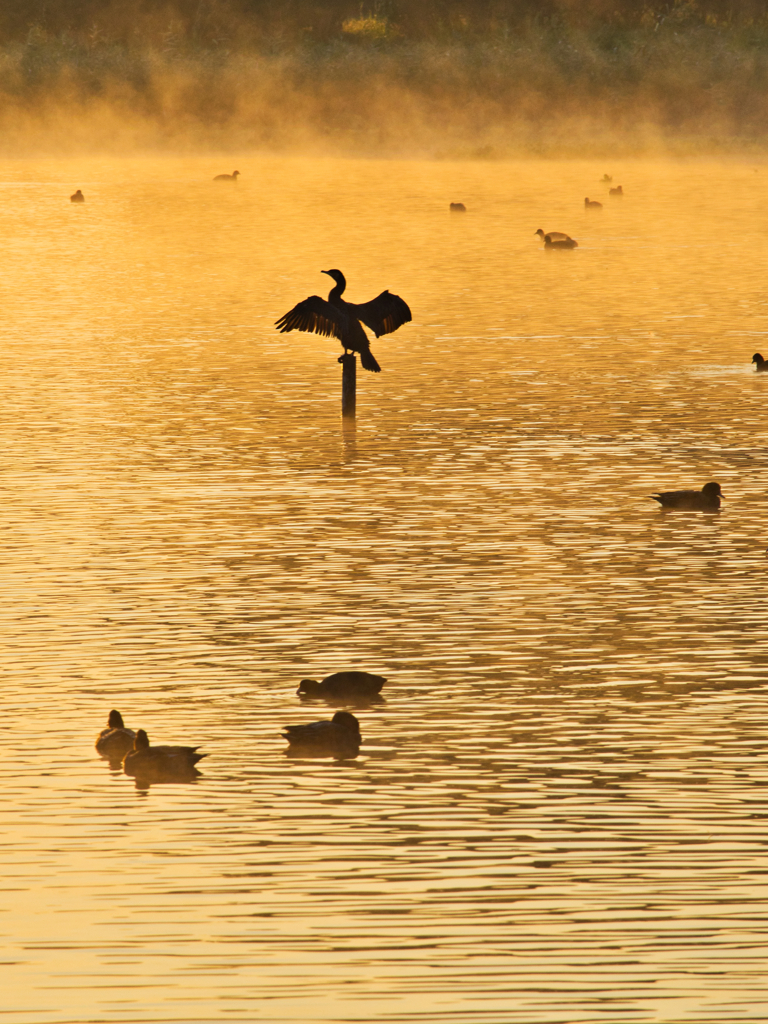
(560, 243)
(227, 177)
(337, 318)
(161, 764)
(555, 236)
(77, 197)
(618, 191)
(343, 685)
(705, 500)
(115, 741)
(761, 364)
(338, 738)
(592, 204)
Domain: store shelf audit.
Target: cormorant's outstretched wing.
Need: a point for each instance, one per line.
(383, 314)
(315, 315)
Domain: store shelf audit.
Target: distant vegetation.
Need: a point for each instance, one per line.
(440, 77)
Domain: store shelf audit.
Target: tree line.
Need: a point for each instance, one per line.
(238, 23)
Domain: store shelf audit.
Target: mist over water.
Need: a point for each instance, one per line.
(558, 813)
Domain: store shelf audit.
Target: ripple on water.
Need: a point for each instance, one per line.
(558, 810)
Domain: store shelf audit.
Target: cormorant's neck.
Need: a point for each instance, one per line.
(337, 291)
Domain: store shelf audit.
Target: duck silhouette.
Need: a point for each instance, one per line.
(761, 364)
(705, 500)
(556, 236)
(343, 686)
(592, 204)
(115, 741)
(161, 764)
(338, 738)
(458, 208)
(227, 177)
(560, 243)
(618, 191)
(78, 197)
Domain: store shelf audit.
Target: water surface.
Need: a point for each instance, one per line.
(558, 814)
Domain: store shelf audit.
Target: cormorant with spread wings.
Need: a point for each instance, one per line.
(343, 320)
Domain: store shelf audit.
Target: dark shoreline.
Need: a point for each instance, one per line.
(690, 92)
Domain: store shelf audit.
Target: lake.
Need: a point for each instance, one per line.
(558, 814)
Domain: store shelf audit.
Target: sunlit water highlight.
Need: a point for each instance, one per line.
(559, 813)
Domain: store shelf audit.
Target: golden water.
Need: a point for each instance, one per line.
(559, 814)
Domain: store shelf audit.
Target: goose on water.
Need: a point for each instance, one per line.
(337, 318)
(705, 500)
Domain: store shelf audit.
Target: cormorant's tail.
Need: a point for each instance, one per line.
(368, 360)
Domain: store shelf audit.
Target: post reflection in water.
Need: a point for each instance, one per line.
(557, 809)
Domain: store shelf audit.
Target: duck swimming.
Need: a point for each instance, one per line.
(556, 236)
(161, 764)
(115, 741)
(761, 364)
(458, 208)
(343, 685)
(227, 177)
(560, 243)
(78, 197)
(705, 500)
(338, 738)
(618, 191)
(592, 204)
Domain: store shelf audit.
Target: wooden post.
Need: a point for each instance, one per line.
(348, 385)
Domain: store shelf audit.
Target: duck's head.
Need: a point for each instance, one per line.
(347, 721)
(308, 687)
(712, 490)
(141, 742)
(115, 720)
(235, 174)
(757, 358)
(539, 232)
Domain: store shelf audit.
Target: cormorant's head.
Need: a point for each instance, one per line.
(337, 276)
